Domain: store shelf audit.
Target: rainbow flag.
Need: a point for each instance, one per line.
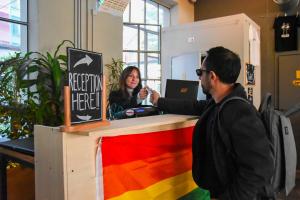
(154, 165)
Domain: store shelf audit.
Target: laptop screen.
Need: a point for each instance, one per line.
(181, 89)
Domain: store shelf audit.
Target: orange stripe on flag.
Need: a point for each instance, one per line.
(140, 174)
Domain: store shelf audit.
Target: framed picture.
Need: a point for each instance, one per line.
(250, 74)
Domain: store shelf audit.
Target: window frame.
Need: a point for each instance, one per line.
(146, 52)
(21, 23)
(139, 51)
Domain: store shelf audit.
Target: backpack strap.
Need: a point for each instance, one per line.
(266, 102)
(223, 134)
(294, 109)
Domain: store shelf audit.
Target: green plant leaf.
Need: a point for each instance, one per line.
(27, 83)
(64, 58)
(61, 44)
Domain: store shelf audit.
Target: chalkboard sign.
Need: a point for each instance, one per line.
(85, 81)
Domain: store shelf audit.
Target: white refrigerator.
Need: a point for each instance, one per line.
(184, 45)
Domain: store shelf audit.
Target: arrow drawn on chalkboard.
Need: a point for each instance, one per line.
(86, 60)
(85, 118)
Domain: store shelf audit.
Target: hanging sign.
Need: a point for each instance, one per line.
(113, 7)
(85, 83)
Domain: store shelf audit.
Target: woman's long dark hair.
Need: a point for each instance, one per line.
(122, 83)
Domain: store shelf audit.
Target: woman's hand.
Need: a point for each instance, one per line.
(143, 93)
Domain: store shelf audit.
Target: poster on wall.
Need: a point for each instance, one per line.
(85, 81)
(296, 82)
(250, 74)
(250, 94)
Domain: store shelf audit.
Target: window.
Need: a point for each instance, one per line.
(13, 33)
(13, 27)
(143, 20)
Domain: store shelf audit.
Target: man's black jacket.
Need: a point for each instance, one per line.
(249, 166)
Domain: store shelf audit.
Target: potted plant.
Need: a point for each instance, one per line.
(16, 112)
(115, 69)
(31, 88)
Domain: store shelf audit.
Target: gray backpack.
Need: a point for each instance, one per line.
(280, 134)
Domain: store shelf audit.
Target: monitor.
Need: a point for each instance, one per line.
(182, 89)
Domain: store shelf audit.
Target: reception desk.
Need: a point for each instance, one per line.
(138, 158)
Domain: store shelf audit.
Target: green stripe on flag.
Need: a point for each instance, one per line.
(196, 194)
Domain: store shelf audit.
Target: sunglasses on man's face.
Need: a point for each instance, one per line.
(199, 72)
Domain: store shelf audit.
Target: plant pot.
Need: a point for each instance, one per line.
(20, 183)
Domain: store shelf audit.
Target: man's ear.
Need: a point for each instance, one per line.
(214, 76)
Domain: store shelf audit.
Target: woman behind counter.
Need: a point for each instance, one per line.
(131, 94)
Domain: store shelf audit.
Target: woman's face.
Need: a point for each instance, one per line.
(132, 79)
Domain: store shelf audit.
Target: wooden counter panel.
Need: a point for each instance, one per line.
(50, 163)
(65, 163)
(143, 125)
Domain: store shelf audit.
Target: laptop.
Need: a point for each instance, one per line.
(182, 89)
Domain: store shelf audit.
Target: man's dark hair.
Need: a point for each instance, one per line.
(225, 63)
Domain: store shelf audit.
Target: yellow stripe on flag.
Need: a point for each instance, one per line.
(170, 188)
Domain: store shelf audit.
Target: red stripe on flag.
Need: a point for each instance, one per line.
(127, 148)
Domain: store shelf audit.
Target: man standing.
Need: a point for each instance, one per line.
(238, 173)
